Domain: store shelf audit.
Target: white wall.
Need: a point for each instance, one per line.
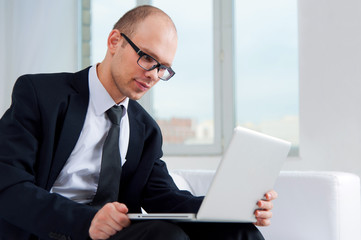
(330, 85)
(35, 36)
(330, 90)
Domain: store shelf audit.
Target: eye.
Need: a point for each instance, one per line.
(148, 58)
(161, 70)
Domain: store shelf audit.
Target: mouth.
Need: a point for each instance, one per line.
(142, 85)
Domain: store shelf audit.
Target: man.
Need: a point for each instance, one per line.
(52, 136)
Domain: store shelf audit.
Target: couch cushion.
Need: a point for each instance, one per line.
(195, 181)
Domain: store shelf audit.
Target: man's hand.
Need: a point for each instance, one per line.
(109, 220)
(263, 213)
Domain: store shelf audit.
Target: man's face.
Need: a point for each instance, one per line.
(153, 36)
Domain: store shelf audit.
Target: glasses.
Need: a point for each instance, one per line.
(149, 63)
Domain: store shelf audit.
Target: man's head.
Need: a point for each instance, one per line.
(128, 23)
(154, 33)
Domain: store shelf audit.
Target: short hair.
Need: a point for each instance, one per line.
(128, 23)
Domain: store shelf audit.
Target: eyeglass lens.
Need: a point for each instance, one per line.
(149, 63)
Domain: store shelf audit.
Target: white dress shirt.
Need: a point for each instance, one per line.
(79, 178)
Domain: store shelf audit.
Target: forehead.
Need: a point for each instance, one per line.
(157, 36)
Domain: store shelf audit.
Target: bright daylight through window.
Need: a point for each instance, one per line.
(266, 71)
(183, 107)
(267, 67)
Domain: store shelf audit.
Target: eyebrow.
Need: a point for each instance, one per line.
(150, 53)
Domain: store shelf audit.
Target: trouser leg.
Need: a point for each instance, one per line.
(151, 230)
(162, 230)
(221, 231)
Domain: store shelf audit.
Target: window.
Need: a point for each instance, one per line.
(236, 64)
(267, 67)
(104, 14)
(184, 106)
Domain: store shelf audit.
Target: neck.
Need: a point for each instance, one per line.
(106, 80)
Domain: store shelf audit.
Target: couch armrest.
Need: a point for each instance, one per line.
(316, 206)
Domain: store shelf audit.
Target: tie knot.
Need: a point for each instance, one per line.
(115, 114)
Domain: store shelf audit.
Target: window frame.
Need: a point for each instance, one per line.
(224, 85)
(224, 96)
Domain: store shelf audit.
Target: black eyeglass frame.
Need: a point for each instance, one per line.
(141, 54)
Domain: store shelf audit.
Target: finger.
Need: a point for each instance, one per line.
(103, 224)
(105, 231)
(120, 216)
(120, 207)
(267, 205)
(119, 220)
(263, 218)
(98, 230)
(263, 214)
(271, 195)
(263, 222)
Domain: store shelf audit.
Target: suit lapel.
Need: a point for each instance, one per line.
(135, 147)
(73, 124)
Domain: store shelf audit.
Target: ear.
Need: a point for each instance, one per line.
(114, 40)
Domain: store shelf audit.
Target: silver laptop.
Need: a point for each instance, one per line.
(248, 169)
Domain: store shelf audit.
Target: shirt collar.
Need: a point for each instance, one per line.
(99, 97)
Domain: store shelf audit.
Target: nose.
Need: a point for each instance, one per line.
(152, 74)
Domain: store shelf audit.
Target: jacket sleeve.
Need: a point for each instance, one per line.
(161, 194)
(22, 202)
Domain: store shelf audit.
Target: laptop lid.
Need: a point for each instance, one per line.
(248, 169)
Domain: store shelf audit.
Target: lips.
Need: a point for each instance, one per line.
(142, 85)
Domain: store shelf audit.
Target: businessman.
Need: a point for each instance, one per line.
(77, 152)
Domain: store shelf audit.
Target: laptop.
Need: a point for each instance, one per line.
(248, 169)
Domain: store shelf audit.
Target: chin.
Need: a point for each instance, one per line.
(136, 97)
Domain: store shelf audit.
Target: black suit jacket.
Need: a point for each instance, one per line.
(38, 133)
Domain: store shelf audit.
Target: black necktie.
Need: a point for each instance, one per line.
(111, 167)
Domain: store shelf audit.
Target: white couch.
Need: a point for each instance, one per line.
(310, 206)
